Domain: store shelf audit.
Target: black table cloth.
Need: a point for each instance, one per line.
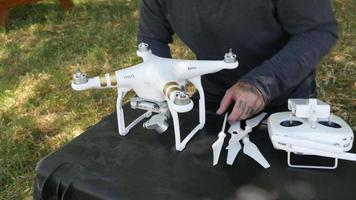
(101, 164)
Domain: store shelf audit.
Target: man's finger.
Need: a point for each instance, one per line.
(255, 107)
(246, 113)
(225, 102)
(237, 111)
(258, 107)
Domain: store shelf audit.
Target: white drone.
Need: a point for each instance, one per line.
(310, 129)
(160, 85)
(234, 146)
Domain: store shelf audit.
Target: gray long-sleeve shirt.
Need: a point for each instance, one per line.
(278, 42)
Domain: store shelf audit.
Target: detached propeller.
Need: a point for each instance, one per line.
(250, 124)
(249, 148)
(217, 146)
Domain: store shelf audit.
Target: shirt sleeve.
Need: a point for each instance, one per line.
(313, 31)
(154, 28)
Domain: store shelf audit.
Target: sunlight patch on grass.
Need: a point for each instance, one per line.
(3, 54)
(45, 122)
(180, 50)
(23, 92)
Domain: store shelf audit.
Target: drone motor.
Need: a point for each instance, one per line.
(181, 98)
(79, 78)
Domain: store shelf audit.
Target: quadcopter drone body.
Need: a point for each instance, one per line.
(160, 87)
(310, 129)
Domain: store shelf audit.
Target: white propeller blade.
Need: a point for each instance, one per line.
(232, 153)
(234, 145)
(256, 120)
(217, 146)
(224, 123)
(251, 150)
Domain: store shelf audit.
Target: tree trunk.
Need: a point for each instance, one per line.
(4, 13)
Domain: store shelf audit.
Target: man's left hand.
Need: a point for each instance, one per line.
(248, 101)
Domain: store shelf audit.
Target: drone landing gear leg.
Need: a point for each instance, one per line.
(197, 83)
(120, 114)
(180, 145)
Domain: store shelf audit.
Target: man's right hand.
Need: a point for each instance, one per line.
(248, 101)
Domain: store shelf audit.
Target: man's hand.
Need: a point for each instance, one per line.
(248, 101)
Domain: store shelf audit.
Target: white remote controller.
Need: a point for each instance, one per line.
(310, 129)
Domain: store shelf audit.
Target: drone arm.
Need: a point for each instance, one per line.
(187, 69)
(108, 80)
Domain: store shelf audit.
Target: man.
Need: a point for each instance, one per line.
(278, 44)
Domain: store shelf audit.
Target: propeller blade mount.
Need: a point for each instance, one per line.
(232, 153)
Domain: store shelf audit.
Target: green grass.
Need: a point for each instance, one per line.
(42, 45)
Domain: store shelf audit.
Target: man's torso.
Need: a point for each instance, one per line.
(250, 28)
